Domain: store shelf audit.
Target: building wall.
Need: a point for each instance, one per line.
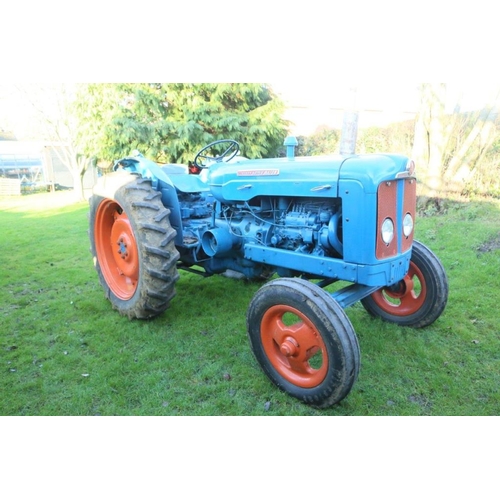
(40, 163)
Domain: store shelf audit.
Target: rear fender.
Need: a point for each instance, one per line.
(161, 182)
(146, 168)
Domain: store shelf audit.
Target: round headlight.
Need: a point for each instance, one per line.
(407, 225)
(387, 231)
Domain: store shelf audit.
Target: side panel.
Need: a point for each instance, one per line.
(359, 222)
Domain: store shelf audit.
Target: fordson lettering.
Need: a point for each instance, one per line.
(256, 173)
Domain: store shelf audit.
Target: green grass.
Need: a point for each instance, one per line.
(64, 351)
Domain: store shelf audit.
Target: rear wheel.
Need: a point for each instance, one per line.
(132, 243)
(419, 298)
(303, 341)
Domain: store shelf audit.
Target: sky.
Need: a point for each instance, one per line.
(367, 95)
(308, 52)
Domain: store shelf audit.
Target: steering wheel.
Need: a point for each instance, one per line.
(202, 160)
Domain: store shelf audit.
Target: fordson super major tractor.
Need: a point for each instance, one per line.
(303, 223)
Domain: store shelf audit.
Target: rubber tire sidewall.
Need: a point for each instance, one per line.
(332, 324)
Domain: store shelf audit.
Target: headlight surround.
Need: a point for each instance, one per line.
(410, 167)
(387, 231)
(407, 225)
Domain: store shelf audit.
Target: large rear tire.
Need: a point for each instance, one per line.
(419, 298)
(132, 243)
(304, 341)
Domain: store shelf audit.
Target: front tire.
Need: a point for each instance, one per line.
(419, 298)
(132, 243)
(304, 341)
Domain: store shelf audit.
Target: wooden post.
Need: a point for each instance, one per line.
(49, 168)
(349, 127)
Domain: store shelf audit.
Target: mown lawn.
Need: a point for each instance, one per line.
(64, 351)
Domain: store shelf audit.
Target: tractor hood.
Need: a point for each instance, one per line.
(311, 176)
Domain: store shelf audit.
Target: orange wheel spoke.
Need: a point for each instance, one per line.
(403, 298)
(299, 366)
(279, 330)
(308, 339)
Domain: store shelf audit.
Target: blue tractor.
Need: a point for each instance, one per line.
(302, 223)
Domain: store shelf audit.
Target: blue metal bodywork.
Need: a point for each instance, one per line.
(314, 217)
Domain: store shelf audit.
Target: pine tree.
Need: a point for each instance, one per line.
(169, 123)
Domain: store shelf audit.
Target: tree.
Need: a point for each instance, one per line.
(394, 138)
(169, 123)
(451, 147)
(54, 123)
(325, 140)
(471, 152)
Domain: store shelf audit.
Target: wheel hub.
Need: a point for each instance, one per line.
(123, 246)
(289, 347)
(402, 288)
(293, 346)
(126, 254)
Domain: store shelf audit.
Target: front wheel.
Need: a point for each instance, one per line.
(419, 298)
(132, 243)
(304, 341)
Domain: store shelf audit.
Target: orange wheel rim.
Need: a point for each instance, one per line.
(116, 249)
(405, 297)
(294, 346)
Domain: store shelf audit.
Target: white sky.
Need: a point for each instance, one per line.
(402, 97)
(310, 52)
